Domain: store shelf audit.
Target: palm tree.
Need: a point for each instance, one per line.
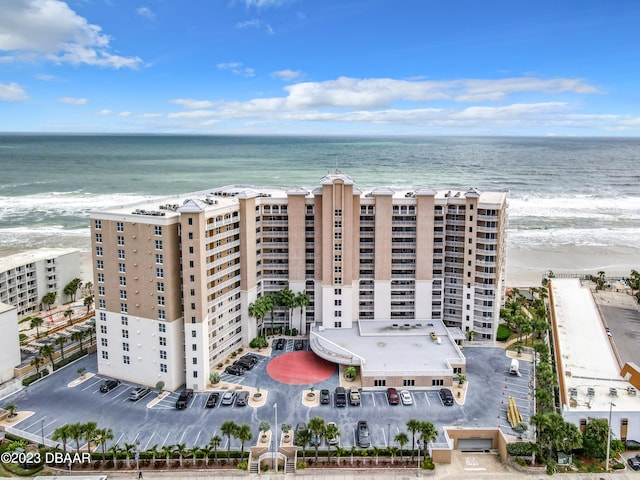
(48, 351)
(154, 453)
(181, 450)
(102, 436)
(303, 300)
(36, 323)
(88, 301)
(228, 428)
(428, 433)
(114, 450)
(60, 341)
(49, 299)
(61, 433)
(90, 431)
(287, 299)
(11, 408)
(331, 432)
(90, 331)
(413, 426)
(303, 438)
(215, 443)
(243, 433)
(317, 428)
(36, 362)
(76, 432)
(258, 311)
(206, 451)
(128, 449)
(88, 288)
(269, 305)
(401, 439)
(77, 337)
(167, 450)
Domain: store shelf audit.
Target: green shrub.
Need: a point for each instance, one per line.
(427, 464)
(301, 465)
(521, 449)
(294, 332)
(503, 333)
(32, 378)
(70, 358)
(243, 465)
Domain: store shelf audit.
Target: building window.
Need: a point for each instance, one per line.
(163, 341)
(160, 301)
(337, 236)
(100, 290)
(98, 251)
(194, 360)
(337, 302)
(124, 320)
(194, 347)
(162, 328)
(98, 238)
(105, 354)
(100, 265)
(159, 272)
(123, 282)
(337, 281)
(195, 374)
(123, 294)
(161, 315)
(103, 317)
(163, 354)
(102, 304)
(103, 342)
(120, 227)
(101, 278)
(190, 235)
(124, 308)
(337, 291)
(160, 286)
(337, 324)
(125, 347)
(337, 247)
(337, 224)
(193, 334)
(126, 359)
(122, 268)
(163, 368)
(192, 264)
(158, 244)
(98, 224)
(337, 269)
(158, 230)
(125, 333)
(120, 240)
(103, 329)
(437, 382)
(409, 382)
(190, 249)
(193, 306)
(379, 383)
(121, 254)
(337, 212)
(337, 313)
(159, 259)
(190, 221)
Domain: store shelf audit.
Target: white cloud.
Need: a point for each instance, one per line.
(266, 3)
(190, 104)
(73, 101)
(104, 111)
(49, 29)
(237, 69)
(125, 114)
(12, 93)
(151, 115)
(45, 78)
(193, 114)
(255, 23)
(287, 75)
(145, 12)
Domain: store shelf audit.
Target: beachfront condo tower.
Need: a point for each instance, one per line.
(174, 278)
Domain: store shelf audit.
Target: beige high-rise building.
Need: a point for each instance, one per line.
(174, 278)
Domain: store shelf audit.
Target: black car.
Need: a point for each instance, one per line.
(298, 345)
(280, 344)
(446, 396)
(183, 399)
(234, 370)
(242, 398)
(325, 396)
(109, 385)
(340, 397)
(212, 400)
(634, 463)
(364, 440)
(244, 364)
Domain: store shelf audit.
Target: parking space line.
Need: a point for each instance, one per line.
(146, 447)
(427, 398)
(197, 437)
(32, 424)
(91, 385)
(165, 439)
(119, 438)
(122, 390)
(182, 437)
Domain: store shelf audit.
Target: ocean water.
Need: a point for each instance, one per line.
(573, 195)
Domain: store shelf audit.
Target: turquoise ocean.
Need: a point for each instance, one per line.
(574, 202)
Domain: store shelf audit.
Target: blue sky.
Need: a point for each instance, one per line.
(455, 67)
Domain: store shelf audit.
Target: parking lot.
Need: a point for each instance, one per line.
(54, 404)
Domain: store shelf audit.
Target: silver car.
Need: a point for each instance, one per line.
(139, 393)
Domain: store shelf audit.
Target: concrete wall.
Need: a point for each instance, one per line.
(9, 341)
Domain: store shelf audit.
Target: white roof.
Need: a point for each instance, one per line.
(30, 256)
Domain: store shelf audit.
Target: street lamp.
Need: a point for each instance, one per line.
(388, 435)
(606, 465)
(42, 430)
(418, 474)
(275, 442)
(137, 456)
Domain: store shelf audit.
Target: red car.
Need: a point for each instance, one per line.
(392, 396)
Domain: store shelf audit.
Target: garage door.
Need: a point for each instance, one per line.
(474, 444)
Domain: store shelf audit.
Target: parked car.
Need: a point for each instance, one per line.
(298, 345)
(244, 364)
(446, 396)
(280, 344)
(228, 397)
(234, 370)
(242, 398)
(332, 440)
(406, 398)
(392, 396)
(212, 400)
(139, 393)
(325, 396)
(109, 385)
(250, 359)
(183, 399)
(340, 397)
(354, 396)
(362, 432)
(634, 463)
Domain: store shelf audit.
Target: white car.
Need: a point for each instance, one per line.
(405, 396)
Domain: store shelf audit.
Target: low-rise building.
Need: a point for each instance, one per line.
(9, 341)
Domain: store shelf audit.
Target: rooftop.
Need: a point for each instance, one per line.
(30, 256)
(410, 347)
(586, 355)
(4, 307)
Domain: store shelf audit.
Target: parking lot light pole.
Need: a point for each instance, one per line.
(606, 465)
(388, 435)
(418, 470)
(275, 442)
(42, 430)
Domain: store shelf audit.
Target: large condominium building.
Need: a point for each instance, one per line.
(26, 277)
(174, 278)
